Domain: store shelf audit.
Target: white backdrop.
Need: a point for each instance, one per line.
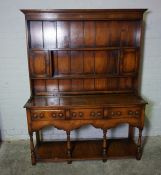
(14, 82)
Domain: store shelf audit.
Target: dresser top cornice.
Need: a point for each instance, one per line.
(80, 14)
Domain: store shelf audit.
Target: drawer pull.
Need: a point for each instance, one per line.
(60, 115)
(136, 112)
(130, 112)
(118, 113)
(54, 115)
(35, 116)
(112, 113)
(92, 114)
(81, 114)
(41, 115)
(98, 113)
(74, 114)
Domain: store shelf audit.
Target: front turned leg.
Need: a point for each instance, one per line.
(33, 157)
(37, 138)
(68, 147)
(131, 133)
(104, 146)
(139, 145)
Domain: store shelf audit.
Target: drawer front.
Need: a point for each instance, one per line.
(37, 115)
(57, 114)
(124, 112)
(86, 113)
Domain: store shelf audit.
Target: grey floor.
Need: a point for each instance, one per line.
(15, 160)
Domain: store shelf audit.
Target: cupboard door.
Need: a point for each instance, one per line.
(129, 61)
(40, 64)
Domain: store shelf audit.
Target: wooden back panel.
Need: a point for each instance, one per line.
(82, 52)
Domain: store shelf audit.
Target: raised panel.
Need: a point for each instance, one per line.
(76, 34)
(40, 65)
(125, 83)
(89, 84)
(101, 84)
(129, 61)
(102, 33)
(65, 85)
(89, 34)
(49, 31)
(63, 34)
(51, 85)
(112, 84)
(63, 62)
(39, 86)
(112, 62)
(88, 62)
(76, 62)
(36, 34)
(101, 62)
(115, 28)
(132, 33)
(77, 84)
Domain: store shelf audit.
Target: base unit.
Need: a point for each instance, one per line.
(85, 150)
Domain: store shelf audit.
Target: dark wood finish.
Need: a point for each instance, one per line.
(84, 70)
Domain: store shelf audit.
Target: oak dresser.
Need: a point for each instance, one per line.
(84, 70)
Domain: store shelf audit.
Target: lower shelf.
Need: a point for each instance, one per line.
(85, 150)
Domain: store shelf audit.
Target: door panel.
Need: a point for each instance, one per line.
(129, 61)
(40, 64)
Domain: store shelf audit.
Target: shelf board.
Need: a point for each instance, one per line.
(85, 150)
(86, 76)
(85, 48)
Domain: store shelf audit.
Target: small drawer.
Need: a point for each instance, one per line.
(37, 115)
(57, 114)
(86, 114)
(124, 112)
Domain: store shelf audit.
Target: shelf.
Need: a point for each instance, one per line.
(85, 150)
(84, 49)
(86, 76)
(72, 76)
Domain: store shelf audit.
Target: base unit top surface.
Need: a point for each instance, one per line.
(85, 100)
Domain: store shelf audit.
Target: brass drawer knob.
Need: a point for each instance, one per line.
(81, 114)
(130, 112)
(112, 113)
(136, 112)
(35, 116)
(54, 115)
(60, 115)
(92, 114)
(118, 113)
(41, 115)
(74, 114)
(98, 113)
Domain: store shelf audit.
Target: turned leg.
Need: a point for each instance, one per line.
(33, 157)
(68, 147)
(104, 146)
(131, 132)
(37, 137)
(139, 148)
